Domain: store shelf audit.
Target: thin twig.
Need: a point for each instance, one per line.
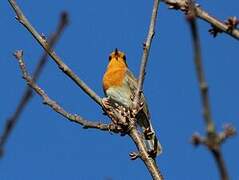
(55, 106)
(202, 14)
(212, 140)
(200, 73)
(23, 20)
(133, 133)
(11, 121)
(146, 48)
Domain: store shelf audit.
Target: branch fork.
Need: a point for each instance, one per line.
(231, 23)
(228, 27)
(214, 140)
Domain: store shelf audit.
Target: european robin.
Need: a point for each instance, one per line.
(119, 85)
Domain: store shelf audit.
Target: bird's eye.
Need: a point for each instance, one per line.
(124, 57)
(110, 57)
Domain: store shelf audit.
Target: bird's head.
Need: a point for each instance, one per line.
(117, 58)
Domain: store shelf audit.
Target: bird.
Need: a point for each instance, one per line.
(119, 85)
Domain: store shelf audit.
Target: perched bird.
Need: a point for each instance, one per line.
(119, 84)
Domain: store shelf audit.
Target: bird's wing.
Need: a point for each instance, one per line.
(144, 116)
(131, 81)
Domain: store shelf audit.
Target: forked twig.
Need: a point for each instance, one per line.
(217, 25)
(55, 106)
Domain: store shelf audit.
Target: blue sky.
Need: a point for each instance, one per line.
(46, 146)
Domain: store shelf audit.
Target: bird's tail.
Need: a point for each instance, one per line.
(152, 143)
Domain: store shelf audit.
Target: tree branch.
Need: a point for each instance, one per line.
(146, 49)
(133, 133)
(23, 20)
(217, 25)
(212, 140)
(11, 121)
(199, 70)
(143, 154)
(55, 106)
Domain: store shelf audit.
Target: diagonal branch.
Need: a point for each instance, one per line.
(143, 154)
(55, 106)
(145, 56)
(133, 133)
(23, 20)
(202, 14)
(11, 121)
(212, 140)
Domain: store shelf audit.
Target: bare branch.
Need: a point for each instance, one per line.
(143, 154)
(126, 123)
(217, 25)
(199, 70)
(146, 48)
(23, 20)
(11, 121)
(133, 133)
(212, 140)
(55, 106)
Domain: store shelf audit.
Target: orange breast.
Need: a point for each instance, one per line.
(113, 77)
